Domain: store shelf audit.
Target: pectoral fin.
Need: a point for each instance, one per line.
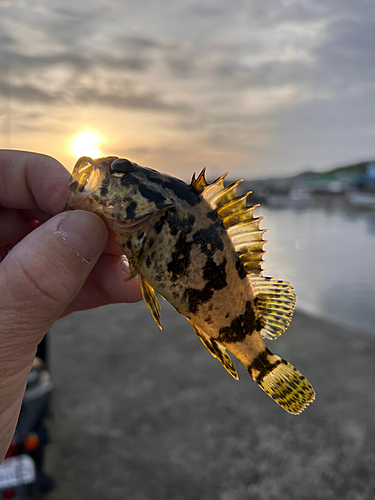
(217, 351)
(150, 299)
(136, 238)
(135, 248)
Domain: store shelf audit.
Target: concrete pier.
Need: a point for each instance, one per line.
(144, 414)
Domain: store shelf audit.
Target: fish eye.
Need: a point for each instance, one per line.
(120, 167)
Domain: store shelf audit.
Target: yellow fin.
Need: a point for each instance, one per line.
(275, 301)
(212, 190)
(280, 380)
(200, 183)
(238, 219)
(150, 299)
(217, 351)
(225, 196)
(233, 207)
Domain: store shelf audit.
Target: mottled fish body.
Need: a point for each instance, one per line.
(200, 247)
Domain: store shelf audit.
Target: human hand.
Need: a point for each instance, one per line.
(51, 264)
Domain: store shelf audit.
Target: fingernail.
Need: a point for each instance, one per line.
(124, 266)
(84, 232)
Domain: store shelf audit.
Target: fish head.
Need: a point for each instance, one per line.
(117, 189)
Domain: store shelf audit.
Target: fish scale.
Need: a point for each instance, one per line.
(201, 248)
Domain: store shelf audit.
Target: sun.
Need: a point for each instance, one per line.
(86, 143)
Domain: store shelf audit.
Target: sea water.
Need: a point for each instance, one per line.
(329, 258)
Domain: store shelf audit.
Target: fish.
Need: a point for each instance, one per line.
(200, 247)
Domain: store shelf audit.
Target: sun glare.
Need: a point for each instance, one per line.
(86, 143)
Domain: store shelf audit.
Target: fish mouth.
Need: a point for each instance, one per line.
(88, 173)
(81, 172)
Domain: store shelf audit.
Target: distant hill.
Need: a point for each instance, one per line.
(333, 180)
(342, 174)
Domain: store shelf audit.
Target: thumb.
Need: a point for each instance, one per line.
(44, 272)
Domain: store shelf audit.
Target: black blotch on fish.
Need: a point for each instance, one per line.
(183, 191)
(180, 258)
(240, 269)
(259, 324)
(151, 260)
(196, 297)
(209, 239)
(155, 178)
(190, 221)
(262, 365)
(130, 211)
(151, 195)
(175, 223)
(215, 275)
(104, 187)
(240, 327)
(159, 224)
(73, 186)
(150, 257)
(129, 180)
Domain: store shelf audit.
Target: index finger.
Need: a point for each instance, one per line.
(30, 181)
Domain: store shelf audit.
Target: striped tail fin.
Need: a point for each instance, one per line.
(280, 380)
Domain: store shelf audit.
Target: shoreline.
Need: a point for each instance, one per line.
(334, 323)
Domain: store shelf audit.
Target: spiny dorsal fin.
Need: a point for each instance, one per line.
(238, 219)
(200, 183)
(150, 299)
(217, 351)
(275, 301)
(212, 190)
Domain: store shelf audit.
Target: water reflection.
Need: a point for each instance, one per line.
(370, 219)
(328, 256)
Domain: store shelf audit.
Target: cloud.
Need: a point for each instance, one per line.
(27, 94)
(348, 56)
(242, 75)
(142, 101)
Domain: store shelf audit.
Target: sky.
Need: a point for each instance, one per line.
(254, 87)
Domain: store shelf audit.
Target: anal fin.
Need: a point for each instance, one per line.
(217, 351)
(150, 299)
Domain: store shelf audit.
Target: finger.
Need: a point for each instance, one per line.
(30, 181)
(106, 285)
(113, 248)
(43, 273)
(14, 225)
(38, 214)
(38, 280)
(110, 274)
